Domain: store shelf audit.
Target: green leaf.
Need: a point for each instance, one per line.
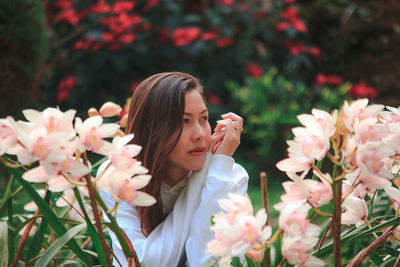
(3, 244)
(374, 256)
(326, 250)
(39, 235)
(60, 242)
(52, 219)
(388, 263)
(250, 262)
(7, 196)
(236, 262)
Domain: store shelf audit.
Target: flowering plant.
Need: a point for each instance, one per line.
(54, 152)
(357, 202)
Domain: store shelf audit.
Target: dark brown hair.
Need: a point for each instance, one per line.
(155, 119)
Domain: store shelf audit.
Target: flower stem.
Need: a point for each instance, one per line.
(264, 191)
(320, 212)
(322, 176)
(336, 219)
(364, 253)
(351, 190)
(370, 226)
(323, 237)
(102, 174)
(333, 159)
(121, 236)
(23, 239)
(9, 164)
(93, 203)
(274, 237)
(69, 179)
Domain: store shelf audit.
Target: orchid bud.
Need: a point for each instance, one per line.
(93, 112)
(110, 109)
(124, 121)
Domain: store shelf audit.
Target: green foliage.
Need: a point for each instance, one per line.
(24, 47)
(270, 105)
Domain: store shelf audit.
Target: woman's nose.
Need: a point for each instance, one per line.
(198, 132)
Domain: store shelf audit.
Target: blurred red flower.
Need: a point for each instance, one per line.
(322, 79)
(212, 98)
(107, 37)
(185, 36)
(361, 90)
(63, 4)
(291, 18)
(254, 69)
(208, 36)
(224, 42)
(127, 38)
(69, 15)
(64, 88)
(226, 2)
(315, 51)
(123, 6)
(290, 13)
(150, 4)
(295, 49)
(100, 7)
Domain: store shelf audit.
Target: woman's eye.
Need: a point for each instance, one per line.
(205, 118)
(185, 121)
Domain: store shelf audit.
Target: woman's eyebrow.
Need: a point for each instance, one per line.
(189, 114)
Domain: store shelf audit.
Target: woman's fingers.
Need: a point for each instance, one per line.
(237, 119)
(216, 139)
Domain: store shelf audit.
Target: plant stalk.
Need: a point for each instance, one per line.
(336, 219)
(23, 239)
(364, 253)
(121, 236)
(264, 191)
(93, 203)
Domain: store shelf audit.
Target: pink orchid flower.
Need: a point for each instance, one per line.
(126, 152)
(53, 120)
(237, 231)
(373, 160)
(294, 249)
(92, 133)
(8, 135)
(293, 221)
(38, 144)
(123, 185)
(356, 211)
(358, 111)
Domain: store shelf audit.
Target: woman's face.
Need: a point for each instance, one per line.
(190, 152)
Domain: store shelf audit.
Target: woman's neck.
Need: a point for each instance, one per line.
(174, 175)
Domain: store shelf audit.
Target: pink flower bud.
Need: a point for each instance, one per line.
(110, 109)
(93, 112)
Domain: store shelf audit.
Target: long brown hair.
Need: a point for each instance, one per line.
(155, 119)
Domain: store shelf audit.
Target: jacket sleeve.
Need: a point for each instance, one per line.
(166, 243)
(223, 177)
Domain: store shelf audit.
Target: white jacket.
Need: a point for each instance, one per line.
(187, 225)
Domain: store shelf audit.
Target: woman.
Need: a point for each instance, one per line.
(191, 170)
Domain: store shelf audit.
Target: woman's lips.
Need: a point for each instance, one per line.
(198, 151)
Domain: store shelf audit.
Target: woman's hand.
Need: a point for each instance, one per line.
(226, 137)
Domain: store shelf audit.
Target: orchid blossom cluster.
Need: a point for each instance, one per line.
(362, 141)
(237, 231)
(58, 150)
